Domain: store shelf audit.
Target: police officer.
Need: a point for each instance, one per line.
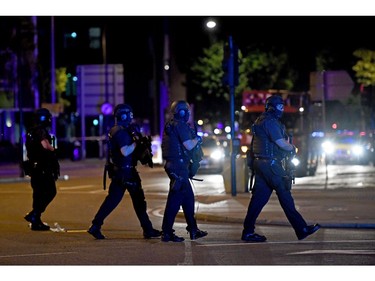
(125, 176)
(178, 143)
(270, 147)
(44, 168)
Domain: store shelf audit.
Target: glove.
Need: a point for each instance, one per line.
(294, 151)
(199, 139)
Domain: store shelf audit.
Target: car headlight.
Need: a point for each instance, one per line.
(328, 147)
(217, 154)
(357, 150)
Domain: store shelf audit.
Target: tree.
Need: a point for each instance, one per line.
(365, 73)
(61, 84)
(258, 69)
(365, 67)
(268, 70)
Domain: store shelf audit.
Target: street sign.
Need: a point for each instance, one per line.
(99, 84)
(337, 85)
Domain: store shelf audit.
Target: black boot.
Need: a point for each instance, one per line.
(308, 230)
(94, 230)
(252, 237)
(196, 233)
(153, 233)
(36, 222)
(166, 237)
(39, 226)
(31, 217)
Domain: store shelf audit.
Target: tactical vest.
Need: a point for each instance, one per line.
(172, 147)
(118, 159)
(35, 150)
(263, 147)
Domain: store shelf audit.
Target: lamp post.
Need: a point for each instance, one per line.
(53, 72)
(211, 26)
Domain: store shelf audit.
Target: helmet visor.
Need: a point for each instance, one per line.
(280, 107)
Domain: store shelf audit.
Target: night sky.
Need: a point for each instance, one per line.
(129, 37)
(302, 36)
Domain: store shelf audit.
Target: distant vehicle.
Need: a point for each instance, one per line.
(348, 149)
(214, 155)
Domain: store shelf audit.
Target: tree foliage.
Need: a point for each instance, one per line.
(268, 70)
(365, 67)
(258, 69)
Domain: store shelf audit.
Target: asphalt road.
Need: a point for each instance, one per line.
(81, 192)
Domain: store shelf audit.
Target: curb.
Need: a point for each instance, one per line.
(226, 219)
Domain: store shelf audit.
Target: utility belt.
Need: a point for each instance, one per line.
(265, 157)
(177, 160)
(114, 169)
(122, 168)
(273, 160)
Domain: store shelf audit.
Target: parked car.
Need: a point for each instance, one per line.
(214, 155)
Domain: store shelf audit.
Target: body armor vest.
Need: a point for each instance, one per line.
(171, 144)
(263, 147)
(35, 150)
(118, 159)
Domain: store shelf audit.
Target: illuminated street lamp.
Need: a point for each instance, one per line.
(211, 24)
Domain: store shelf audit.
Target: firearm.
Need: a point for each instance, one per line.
(54, 160)
(143, 150)
(250, 164)
(289, 163)
(196, 154)
(108, 167)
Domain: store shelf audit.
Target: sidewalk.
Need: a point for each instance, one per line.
(349, 207)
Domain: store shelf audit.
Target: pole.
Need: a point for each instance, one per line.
(35, 72)
(231, 92)
(165, 95)
(53, 73)
(324, 95)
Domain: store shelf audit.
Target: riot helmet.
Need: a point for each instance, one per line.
(43, 117)
(180, 110)
(123, 114)
(275, 104)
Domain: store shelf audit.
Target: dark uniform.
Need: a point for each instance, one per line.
(42, 167)
(270, 173)
(125, 176)
(178, 168)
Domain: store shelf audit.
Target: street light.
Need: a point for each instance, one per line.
(211, 24)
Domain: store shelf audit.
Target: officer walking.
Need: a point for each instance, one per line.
(42, 167)
(125, 175)
(178, 145)
(269, 149)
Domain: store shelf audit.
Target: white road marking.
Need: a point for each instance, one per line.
(188, 260)
(283, 242)
(40, 254)
(340, 252)
(77, 187)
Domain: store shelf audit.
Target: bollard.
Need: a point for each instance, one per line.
(242, 175)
